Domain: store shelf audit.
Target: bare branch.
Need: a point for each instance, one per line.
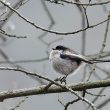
(53, 82)
(9, 35)
(102, 48)
(90, 4)
(54, 32)
(101, 105)
(26, 61)
(19, 103)
(53, 89)
(69, 103)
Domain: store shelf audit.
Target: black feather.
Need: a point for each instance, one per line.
(60, 47)
(75, 59)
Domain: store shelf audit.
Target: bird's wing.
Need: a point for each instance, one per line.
(74, 56)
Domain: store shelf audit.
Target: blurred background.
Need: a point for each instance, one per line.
(32, 53)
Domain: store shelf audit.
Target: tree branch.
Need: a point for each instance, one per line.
(50, 31)
(52, 89)
(84, 4)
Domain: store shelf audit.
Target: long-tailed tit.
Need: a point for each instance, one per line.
(65, 60)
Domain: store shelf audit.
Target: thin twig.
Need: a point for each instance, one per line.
(102, 48)
(69, 103)
(47, 79)
(9, 35)
(54, 32)
(94, 94)
(84, 4)
(19, 104)
(103, 103)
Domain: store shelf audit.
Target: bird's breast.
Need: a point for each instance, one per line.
(63, 66)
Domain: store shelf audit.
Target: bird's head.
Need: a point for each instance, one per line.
(60, 47)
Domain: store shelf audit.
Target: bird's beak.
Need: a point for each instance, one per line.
(53, 48)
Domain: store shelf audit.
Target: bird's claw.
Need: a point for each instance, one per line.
(62, 80)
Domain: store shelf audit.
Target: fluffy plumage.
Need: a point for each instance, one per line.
(65, 60)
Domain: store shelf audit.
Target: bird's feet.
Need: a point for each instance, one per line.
(62, 79)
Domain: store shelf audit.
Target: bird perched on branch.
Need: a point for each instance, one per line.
(65, 61)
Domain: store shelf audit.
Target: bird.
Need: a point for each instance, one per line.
(66, 61)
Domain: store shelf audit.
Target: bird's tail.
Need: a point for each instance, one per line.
(98, 61)
(87, 61)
